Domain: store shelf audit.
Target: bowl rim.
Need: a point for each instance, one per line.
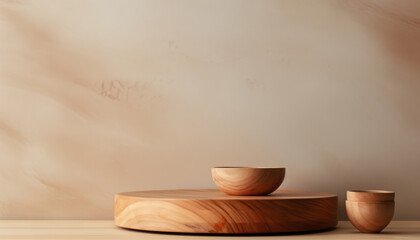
(372, 191)
(240, 167)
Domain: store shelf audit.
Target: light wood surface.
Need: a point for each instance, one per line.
(106, 230)
(248, 180)
(212, 211)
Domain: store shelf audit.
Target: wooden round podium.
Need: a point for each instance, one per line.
(212, 211)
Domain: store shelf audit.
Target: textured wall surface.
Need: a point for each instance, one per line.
(99, 97)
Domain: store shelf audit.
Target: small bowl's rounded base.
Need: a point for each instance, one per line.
(248, 181)
(370, 217)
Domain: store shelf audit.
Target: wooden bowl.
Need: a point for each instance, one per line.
(371, 210)
(249, 181)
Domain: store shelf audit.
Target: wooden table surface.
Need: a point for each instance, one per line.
(105, 229)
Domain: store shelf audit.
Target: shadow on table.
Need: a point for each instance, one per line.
(233, 234)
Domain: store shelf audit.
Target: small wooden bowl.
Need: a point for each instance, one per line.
(370, 210)
(249, 181)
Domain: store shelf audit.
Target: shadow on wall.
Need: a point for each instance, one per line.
(86, 112)
(60, 130)
(397, 26)
(79, 125)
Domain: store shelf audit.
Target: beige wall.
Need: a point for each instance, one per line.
(99, 97)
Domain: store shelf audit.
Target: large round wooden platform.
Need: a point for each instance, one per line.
(212, 211)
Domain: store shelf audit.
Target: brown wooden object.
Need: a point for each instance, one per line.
(370, 210)
(248, 180)
(212, 211)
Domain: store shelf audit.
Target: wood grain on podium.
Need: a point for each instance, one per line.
(211, 211)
